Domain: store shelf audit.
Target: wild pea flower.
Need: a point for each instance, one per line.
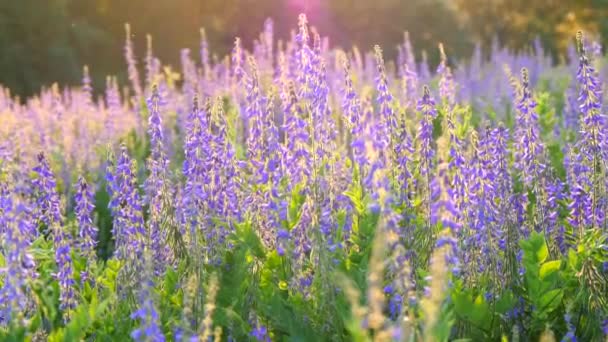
(529, 147)
(408, 60)
(113, 106)
(189, 74)
(581, 200)
(197, 169)
(19, 269)
(570, 111)
(260, 333)
(447, 91)
(152, 64)
(409, 85)
(225, 172)
(593, 122)
(256, 114)
(126, 207)
(237, 61)
(444, 211)
(157, 187)
(304, 55)
(267, 41)
(387, 123)
(499, 160)
(48, 200)
(322, 119)
(155, 128)
(426, 105)
(384, 97)
(147, 314)
(84, 210)
(297, 155)
(481, 207)
(456, 161)
(132, 63)
(351, 109)
(404, 150)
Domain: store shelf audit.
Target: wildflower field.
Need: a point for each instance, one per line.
(298, 192)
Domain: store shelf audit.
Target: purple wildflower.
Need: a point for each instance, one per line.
(19, 269)
(529, 147)
(447, 91)
(132, 63)
(84, 209)
(426, 106)
(148, 316)
(48, 201)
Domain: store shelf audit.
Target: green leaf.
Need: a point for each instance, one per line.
(549, 268)
(551, 300)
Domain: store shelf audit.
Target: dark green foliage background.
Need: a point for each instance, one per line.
(45, 41)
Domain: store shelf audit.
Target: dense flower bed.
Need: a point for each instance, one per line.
(297, 192)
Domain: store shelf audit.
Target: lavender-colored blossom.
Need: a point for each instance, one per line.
(529, 147)
(19, 269)
(84, 210)
(49, 202)
(593, 121)
(126, 206)
(447, 91)
(148, 316)
(132, 63)
(426, 106)
(445, 212)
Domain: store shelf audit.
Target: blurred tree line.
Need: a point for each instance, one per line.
(44, 41)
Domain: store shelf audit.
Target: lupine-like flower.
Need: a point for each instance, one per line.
(126, 206)
(19, 269)
(581, 201)
(593, 121)
(132, 63)
(409, 85)
(196, 171)
(84, 210)
(386, 127)
(48, 201)
(237, 61)
(48, 204)
(189, 74)
(304, 55)
(297, 155)
(529, 147)
(147, 314)
(225, 171)
(351, 109)
(426, 106)
(445, 212)
(447, 91)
